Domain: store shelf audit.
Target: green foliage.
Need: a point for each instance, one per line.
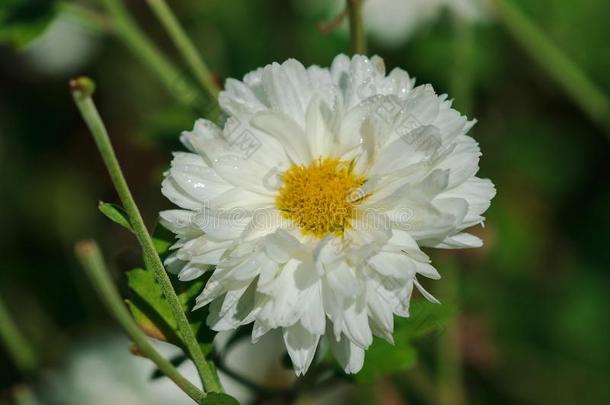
(116, 214)
(425, 318)
(21, 21)
(383, 358)
(163, 240)
(152, 311)
(164, 125)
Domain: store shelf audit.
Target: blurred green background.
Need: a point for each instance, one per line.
(534, 302)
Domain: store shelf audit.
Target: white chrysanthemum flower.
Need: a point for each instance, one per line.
(311, 204)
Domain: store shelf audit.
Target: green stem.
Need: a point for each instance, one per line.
(92, 261)
(462, 72)
(128, 31)
(450, 387)
(564, 71)
(188, 51)
(356, 27)
(22, 354)
(82, 89)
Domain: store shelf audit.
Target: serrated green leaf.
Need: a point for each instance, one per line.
(21, 21)
(214, 398)
(115, 213)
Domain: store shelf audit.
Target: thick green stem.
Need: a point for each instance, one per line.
(189, 53)
(92, 261)
(129, 32)
(16, 345)
(356, 27)
(559, 66)
(82, 89)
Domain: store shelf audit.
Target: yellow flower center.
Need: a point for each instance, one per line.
(320, 198)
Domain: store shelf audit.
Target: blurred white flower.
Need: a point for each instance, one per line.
(102, 371)
(393, 22)
(311, 204)
(62, 49)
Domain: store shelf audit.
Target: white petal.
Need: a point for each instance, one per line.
(301, 346)
(459, 241)
(281, 246)
(380, 309)
(238, 99)
(259, 329)
(173, 192)
(478, 193)
(233, 309)
(356, 324)
(425, 293)
(179, 222)
(316, 128)
(350, 356)
(192, 271)
(244, 173)
(288, 88)
(463, 162)
(293, 287)
(314, 317)
(342, 280)
(191, 174)
(287, 132)
(220, 224)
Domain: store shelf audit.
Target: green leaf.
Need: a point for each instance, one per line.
(21, 21)
(215, 398)
(116, 214)
(163, 239)
(383, 358)
(153, 314)
(425, 317)
(151, 310)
